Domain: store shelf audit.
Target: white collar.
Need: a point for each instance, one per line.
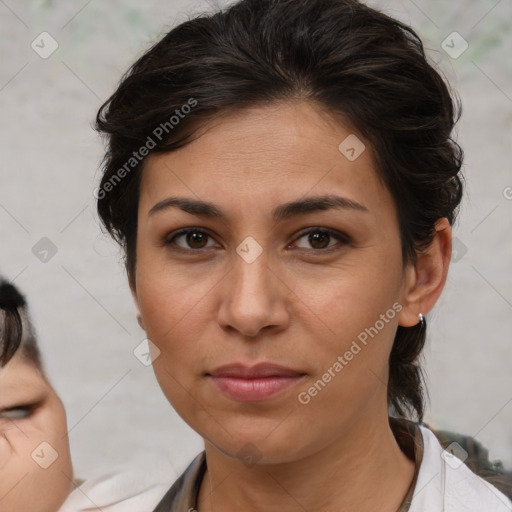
(446, 484)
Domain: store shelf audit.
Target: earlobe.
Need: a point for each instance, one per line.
(140, 321)
(133, 291)
(424, 281)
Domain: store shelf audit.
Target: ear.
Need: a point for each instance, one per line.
(424, 281)
(133, 290)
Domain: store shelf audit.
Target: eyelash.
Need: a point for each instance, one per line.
(341, 237)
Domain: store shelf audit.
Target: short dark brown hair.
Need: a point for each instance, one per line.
(16, 329)
(341, 55)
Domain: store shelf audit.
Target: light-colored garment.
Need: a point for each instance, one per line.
(126, 491)
(442, 483)
(446, 484)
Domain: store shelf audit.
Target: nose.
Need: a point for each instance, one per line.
(254, 297)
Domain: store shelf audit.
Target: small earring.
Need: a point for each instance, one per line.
(421, 317)
(139, 320)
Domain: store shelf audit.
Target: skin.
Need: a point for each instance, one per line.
(294, 305)
(24, 484)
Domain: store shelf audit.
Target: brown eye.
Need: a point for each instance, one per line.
(320, 238)
(194, 239)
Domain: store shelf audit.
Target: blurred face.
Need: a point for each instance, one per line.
(35, 465)
(268, 312)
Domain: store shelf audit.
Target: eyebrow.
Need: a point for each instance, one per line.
(280, 213)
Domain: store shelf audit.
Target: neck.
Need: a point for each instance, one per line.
(362, 470)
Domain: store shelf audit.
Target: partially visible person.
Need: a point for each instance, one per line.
(36, 473)
(35, 464)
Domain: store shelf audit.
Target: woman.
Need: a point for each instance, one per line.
(282, 179)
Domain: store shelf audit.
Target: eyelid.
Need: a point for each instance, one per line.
(27, 410)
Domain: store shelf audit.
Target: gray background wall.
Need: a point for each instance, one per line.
(79, 297)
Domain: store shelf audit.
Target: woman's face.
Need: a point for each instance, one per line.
(35, 464)
(304, 290)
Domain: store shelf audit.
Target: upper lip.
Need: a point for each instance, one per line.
(241, 371)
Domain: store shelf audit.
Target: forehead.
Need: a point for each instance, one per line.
(262, 155)
(20, 375)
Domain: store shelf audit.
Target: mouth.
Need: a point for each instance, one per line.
(256, 383)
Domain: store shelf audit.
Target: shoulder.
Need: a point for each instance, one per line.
(446, 483)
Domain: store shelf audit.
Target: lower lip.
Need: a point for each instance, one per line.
(252, 390)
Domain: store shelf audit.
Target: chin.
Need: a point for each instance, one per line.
(265, 442)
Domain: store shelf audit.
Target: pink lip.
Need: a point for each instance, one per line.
(255, 383)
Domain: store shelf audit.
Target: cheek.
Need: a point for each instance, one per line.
(170, 297)
(54, 431)
(26, 486)
(46, 427)
(42, 473)
(350, 358)
(343, 302)
(170, 304)
(350, 319)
